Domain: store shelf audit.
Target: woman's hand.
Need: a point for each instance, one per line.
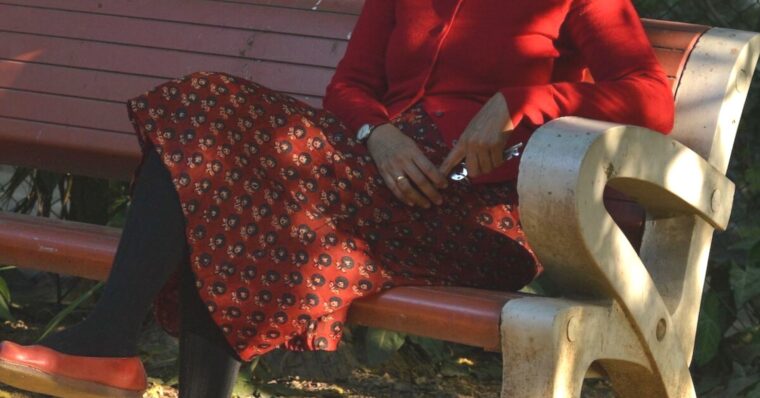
(396, 154)
(484, 139)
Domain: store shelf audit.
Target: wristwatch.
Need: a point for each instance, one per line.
(364, 131)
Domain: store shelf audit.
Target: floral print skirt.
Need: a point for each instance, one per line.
(288, 219)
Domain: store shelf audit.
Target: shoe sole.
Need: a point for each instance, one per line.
(34, 380)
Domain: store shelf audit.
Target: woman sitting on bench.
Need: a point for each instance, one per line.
(257, 219)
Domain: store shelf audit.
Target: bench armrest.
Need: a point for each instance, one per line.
(564, 170)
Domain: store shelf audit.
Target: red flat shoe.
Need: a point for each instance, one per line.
(43, 370)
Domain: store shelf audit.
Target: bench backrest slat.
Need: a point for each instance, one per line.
(342, 6)
(257, 43)
(234, 15)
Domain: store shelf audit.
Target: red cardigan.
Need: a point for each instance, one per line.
(455, 54)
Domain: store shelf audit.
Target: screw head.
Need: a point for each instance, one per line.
(572, 329)
(715, 200)
(662, 328)
(743, 80)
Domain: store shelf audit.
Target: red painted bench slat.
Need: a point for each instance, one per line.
(463, 315)
(89, 152)
(663, 37)
(74, 82)
(341, 6)
(84, 83)
(307, 80)
(52, 245)
(62, 110)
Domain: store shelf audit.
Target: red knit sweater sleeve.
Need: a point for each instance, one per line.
(629, 84)
(359, 82)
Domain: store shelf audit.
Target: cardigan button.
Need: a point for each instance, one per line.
(438, 113)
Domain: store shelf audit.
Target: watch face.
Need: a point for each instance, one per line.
(363, 132)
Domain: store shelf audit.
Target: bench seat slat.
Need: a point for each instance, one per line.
(467, 316)
(194, 38)
(213, 13)
(52, 245)
(462, 315)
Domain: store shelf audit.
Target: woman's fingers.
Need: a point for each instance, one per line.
(483, 157)
(452, 159)
(497, 156)
(402, 187)
(472, 163)
(407, 189)
(484, 160)
(409, 192)
(429, 169)
(390, 182)
(423, 183)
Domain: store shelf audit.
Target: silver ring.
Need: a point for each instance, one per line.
(399, 178)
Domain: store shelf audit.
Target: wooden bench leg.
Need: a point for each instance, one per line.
(549, 344)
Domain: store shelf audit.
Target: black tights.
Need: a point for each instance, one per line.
(152, 246)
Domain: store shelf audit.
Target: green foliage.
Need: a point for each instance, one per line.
(713, 322)
(245, 385)
(745, 282)
(726, 13)
(5, 301)
(68, 310)
(42, 185)
(728, 334)
(741, 382)
(436, 350)
(375, 346)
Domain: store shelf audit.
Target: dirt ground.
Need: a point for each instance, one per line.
(459, 371)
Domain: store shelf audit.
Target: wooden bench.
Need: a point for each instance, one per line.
(632, 282)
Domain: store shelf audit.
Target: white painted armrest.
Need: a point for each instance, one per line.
(572, 156)
(564, 170)
(565, 167)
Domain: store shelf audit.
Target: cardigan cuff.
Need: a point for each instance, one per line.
(357, 122)
(527, 104)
